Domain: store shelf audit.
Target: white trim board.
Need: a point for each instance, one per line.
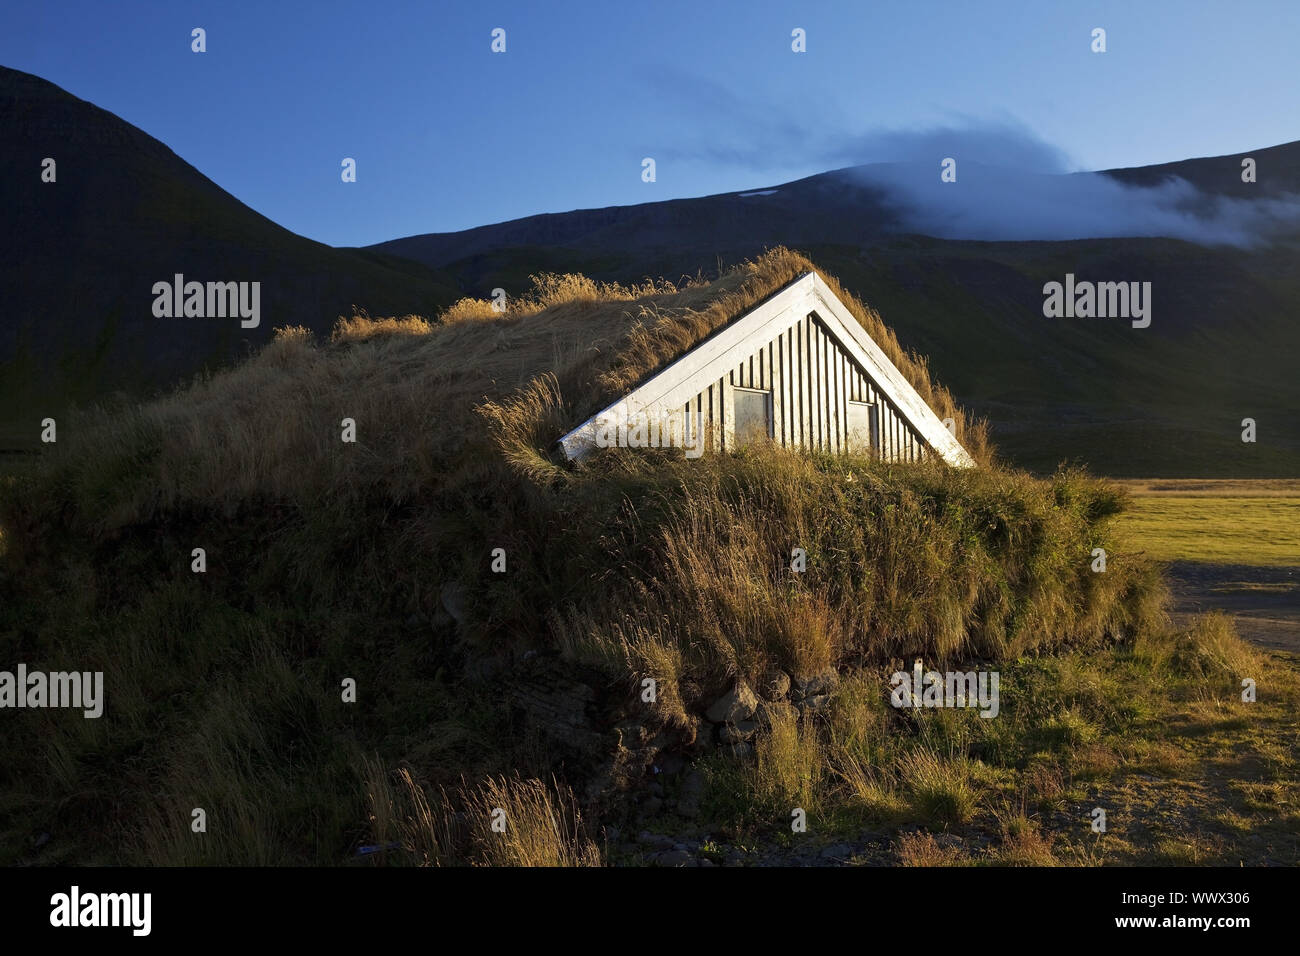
(672, 387)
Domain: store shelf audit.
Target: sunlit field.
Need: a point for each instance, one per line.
(1217, 522)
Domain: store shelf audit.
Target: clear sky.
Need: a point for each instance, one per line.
(448, 134)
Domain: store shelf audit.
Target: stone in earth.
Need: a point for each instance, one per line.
(820, 702)
(656, 841)
(734, 706)
(737, 733)
(769, 711)
(817, 685)
(776, 684)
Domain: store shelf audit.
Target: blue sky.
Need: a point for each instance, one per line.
(448, 135)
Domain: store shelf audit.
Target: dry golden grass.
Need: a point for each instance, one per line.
(789, 767)
(941, 791)
(921, 849)
(1212, 648)
(503, 821)
(1023, 844)
(361, 328)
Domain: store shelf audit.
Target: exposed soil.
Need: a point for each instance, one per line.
(1264, 602)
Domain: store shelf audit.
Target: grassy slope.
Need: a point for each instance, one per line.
(328, 561)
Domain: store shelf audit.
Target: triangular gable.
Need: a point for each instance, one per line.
(670, 389)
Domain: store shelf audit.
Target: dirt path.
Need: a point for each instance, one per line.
(1264, 602)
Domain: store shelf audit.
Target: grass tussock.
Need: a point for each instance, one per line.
(789, 764)
(361, 327)
(503, 821)
(922, 849)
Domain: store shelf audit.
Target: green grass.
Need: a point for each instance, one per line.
(1251, 530)
(1154, 731)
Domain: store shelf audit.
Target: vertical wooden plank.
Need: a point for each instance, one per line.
(837, 392)
(806, 371)
(823, 426)
(774, 383)
(832, 393)
(889, 429)
(841, 401)
(798, 383)
(797, 380)
(775, 398)
(815, 381)
(820, 381)
(884, 427)
(805, 400)
(727, 382)
(719, 392)
(828, 424)
(786, 402)
(848, 393)
(711, 422)
(828, 403)
(796, 387)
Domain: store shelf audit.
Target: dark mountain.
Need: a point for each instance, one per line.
(79, 257)
(1277, 173)
(729, 224)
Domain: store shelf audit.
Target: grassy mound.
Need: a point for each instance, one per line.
(377, 561)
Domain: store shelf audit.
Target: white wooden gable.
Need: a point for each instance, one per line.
(779, 327)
